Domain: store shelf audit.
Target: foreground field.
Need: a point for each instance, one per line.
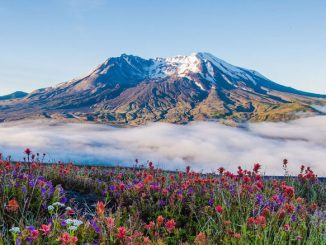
(42, 204)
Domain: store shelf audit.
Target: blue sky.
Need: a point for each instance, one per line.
(47, 42)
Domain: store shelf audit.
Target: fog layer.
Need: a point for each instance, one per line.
(203, 145)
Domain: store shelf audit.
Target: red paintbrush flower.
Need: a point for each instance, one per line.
(45, 229)
(237, 235)
(287, 227)
(289, 208)
(251, 221)
(261, 221)
(121, 233)
(221, 170)
(66, 239)
(246, 179)
(28, 151)
(170, 225)
(34, 234)
(219, 209)
(260, 184)
(110, 223)
(285, 162)
(200, 238)
(289, 190)
(122, 186)
(281, 214)
(257, 167)
(100, 208)
(160, 220)
(12, 206)
(148, 179)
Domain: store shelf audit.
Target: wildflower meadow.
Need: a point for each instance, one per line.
(42, 204)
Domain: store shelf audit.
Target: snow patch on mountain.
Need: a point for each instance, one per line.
(210, 69)
(179, 65)
(200, 86)
(228, 81)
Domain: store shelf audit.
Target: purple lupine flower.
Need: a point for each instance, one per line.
(41, 178)
(211, 201)
(44, 204)
(18, 242)
(259, 200)
(31, 228)
(162, 203)
(155, 186)
(61, 190)
(274, 206)
(297, 208)
(280, 199)
(43, 192)
(112, 188)
(232, 189)
(14, 174)
(31, 183)
(63, 199)
(95, 226)
(51, 190)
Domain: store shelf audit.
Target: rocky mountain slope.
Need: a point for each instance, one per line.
(130, 90)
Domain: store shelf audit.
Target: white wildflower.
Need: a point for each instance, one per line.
(50, 208)
(77, 222)
(72, 228)
(15, 230)
(69, 221)
(58, 204)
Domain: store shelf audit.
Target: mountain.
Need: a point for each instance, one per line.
(132, 90)
(15, 95)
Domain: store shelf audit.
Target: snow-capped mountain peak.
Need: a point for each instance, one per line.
(132, 90)
(202, 63)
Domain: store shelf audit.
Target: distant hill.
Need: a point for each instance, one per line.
(15, 95)
(130, 90)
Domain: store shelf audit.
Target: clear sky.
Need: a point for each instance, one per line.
(44, 42)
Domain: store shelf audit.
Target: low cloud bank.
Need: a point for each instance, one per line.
(203, 145)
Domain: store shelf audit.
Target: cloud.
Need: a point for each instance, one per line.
(203, 145)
